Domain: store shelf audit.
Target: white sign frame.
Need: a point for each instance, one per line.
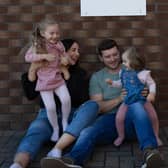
(113, 7)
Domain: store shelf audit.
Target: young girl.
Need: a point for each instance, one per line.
(133, 78)
(48, 47)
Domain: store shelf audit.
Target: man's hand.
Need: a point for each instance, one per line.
(144, 92)
(123, 93)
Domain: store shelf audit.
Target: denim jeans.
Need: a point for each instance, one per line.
(103, 131)
(84, 116)
(38, 133)
(40, 130)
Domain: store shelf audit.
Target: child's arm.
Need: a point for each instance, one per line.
(31, 56)
(113, 83)
(152, 87)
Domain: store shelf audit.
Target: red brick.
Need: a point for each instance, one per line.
(138, 41)
(13, 9)
(152, 32)
(151, 8)
(4, 75)
(162, 8)
(4, 92)
(3, 9)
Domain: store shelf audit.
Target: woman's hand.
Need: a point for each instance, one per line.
(64, 60)
(33, 69)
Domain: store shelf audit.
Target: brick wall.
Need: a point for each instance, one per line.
(149, 33)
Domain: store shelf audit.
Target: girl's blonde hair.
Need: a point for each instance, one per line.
(137, 61)
(37, 39)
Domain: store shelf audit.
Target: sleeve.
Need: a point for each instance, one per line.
(31, 56)
(84, 96)
(28, 87)
(94, 86)
(150, 83)
(146, 78)
(78, 86)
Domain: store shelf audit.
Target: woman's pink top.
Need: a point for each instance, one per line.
(49, 77)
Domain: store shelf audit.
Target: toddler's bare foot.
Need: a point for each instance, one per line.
(118, 141)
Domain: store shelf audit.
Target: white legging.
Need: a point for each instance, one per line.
(49, 102)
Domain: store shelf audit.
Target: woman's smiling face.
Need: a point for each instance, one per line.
(73, 53)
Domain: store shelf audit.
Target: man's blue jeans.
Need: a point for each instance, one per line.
(103, 130)
(40, 130)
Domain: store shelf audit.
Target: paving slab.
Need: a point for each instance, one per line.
(104, 156)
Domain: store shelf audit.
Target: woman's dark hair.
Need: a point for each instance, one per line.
(106, 44)
(68, 43)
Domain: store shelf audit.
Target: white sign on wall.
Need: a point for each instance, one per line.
(113, 7)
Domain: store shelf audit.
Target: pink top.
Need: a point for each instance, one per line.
(49, 77)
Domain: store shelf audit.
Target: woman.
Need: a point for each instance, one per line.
(40, 131)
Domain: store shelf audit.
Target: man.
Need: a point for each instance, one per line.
(103, 130)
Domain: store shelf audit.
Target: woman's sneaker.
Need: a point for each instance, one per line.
(152, 159)
(50, 162)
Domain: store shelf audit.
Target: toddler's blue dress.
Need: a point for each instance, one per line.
(133, 86)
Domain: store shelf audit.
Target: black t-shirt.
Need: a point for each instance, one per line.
(77, 85)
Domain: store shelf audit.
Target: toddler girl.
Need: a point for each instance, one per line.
(133, 78)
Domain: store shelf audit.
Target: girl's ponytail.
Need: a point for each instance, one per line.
(38, 41)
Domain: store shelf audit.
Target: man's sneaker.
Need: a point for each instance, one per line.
(51, 162)
(152, 159)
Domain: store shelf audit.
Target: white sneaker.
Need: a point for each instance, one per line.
(15, 165)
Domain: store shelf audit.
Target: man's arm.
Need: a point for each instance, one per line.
(107, 105)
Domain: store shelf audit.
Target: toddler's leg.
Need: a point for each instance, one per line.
(65, 99)
(120, 117)
(48, 99)
(154, 119)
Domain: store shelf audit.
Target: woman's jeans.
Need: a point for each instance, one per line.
(103, 130)
(40, 130)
